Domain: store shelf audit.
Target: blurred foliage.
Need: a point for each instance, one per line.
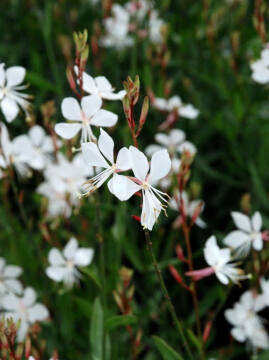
(210, 45)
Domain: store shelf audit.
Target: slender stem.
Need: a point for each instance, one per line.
(101, 264)
(177, 322)
(186, 232)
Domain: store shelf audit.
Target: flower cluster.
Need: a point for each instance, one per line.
(260, 68)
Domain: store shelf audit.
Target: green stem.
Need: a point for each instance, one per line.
(176, 321)
(16, 195)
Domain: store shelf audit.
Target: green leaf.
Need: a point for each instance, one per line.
(166, 351)
(97, 331)
(92, 275)
(264, 355)
(40, 82)
(119, 320)
(194, 340)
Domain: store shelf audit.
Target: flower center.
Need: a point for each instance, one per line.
(114, 168)
(145, 186)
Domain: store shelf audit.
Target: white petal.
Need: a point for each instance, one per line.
(241, 221)
(256, 221)
(236, 239)
(140, 163)
(55, 257)
(258, 242)
(211, 251)
(113, 96)
(10, 109)
(177, 136)
(238, 334)
(188, 111)
(160, 104)
(38, 313)
(151, 149)
(29, 296)
(162, 139)
(70, 248)
(89, 84)
(122, 187)
(10, 302)
(71, 109)
(104, 118)
(222, 278)
(90, 105)
(160, 165)
(106, 145)
(123, 159)
(2, 75)
(12, 271)
(15, 75)
(22, 332)
(83, 256)
(2, 264)
(187, 146)
(92, 155)
(56, 273)
(37, 135)
(14, 286)
(67, 131)
(103, 84)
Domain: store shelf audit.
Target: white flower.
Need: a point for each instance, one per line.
(14, 153)
(155, 28)
(190, 207)
(102, 156)
(260, 68)
(117, 28)
(265, 290)
(248, 233)
(63, 266)
(138, 9)
(101, 87)
(63, 182)
(89, 114)
(24, 308)
(219, 260)
(160, 166)
(11, 99)
(8, 278)
(175, 104)
(248, 326)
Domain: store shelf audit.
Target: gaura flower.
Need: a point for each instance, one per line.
(220, 264)
(14, 153)
(144, 180)
(190, 208)
(25, 309)
(89, 114)
(175, 104)
(156, 26)
(265, 291)
(102, 156)
(63, 266)
(138, 9)
(9, 282)
(247, 325)
(11, 99)
(260, 68)
(248, 233)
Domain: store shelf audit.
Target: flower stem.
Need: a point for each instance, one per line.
(176, 321)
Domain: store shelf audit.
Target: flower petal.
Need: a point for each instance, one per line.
(71, 109)
(211, 251)
(37, 135)
(56, 273)
(222, 278)
(258, 242)
(188, 111)
(70, 248)
(123, 159)
(236, 239)
(241, 221)
(162, 139)
(103, 84)
(29, 296)
(122, 187)
(55, 257)
(67, 131)
(12, 271)
(113, 96)
(106, 145)
(89, 84)
(2, 75)
(15, 75)
(104, 118)
(160, 165)
(83, 256)
(92, 155)
(139, 162)
(256, 221)
(14, 286)
(238, 334)
(91, 104)
(38, 313)
(10, 109)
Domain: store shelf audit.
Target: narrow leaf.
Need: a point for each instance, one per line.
(165, 350)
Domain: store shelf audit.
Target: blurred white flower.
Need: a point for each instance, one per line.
(190, 207)
(14, 153)
(11, 99)
(138, 9)
(265, 291)
(260, 68)
(102, 156)
(156, 25)
(175, 104)
(117, 28)
(248, 233)
(63, 181)
(89, 114)
(8, 278)
(63, 265)
(24, 308)
(247, 325)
